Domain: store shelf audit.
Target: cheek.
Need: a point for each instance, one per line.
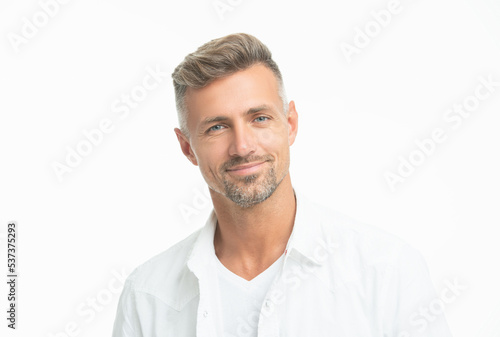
(273, 140)
(210, 156)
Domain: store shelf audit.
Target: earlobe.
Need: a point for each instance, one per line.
(293, 122)
(185, 146)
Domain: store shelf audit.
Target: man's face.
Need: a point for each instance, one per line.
(240, 136)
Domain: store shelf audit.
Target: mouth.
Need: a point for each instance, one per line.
(246, 169)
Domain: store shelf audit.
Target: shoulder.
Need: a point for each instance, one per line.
(365, 255)
(166, 263)
(166, 276)
(369, 244)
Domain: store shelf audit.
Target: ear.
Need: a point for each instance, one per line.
(293, 122)
(186, 146)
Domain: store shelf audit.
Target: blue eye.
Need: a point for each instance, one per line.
(215, 127)
(259, 119)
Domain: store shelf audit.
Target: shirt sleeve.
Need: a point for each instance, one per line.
(126, 321)
(412, 307)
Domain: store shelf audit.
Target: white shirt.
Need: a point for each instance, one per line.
(241, 300)
(338, 278)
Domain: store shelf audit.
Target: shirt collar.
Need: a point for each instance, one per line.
(306, 239)
(203, 247)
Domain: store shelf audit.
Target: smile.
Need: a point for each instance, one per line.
(246, 169)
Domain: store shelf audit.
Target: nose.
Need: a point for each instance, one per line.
(243, 142)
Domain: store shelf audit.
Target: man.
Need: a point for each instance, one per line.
(268, 261)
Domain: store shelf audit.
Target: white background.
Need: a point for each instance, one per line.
(124, 202)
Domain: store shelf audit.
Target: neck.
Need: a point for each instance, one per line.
(251, 239)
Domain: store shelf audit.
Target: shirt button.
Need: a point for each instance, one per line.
(205, 313)
(268, 303)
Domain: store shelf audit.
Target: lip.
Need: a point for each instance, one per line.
(246, 169)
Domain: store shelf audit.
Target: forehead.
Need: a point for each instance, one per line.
(233, 94)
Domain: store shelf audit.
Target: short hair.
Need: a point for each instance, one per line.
(220, 58)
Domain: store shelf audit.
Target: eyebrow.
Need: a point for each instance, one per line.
(250, 111)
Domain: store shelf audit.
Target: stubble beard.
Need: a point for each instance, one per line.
(248, 192)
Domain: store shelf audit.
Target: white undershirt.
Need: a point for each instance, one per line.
(241, 300)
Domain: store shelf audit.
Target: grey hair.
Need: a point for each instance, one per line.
(219, 58)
